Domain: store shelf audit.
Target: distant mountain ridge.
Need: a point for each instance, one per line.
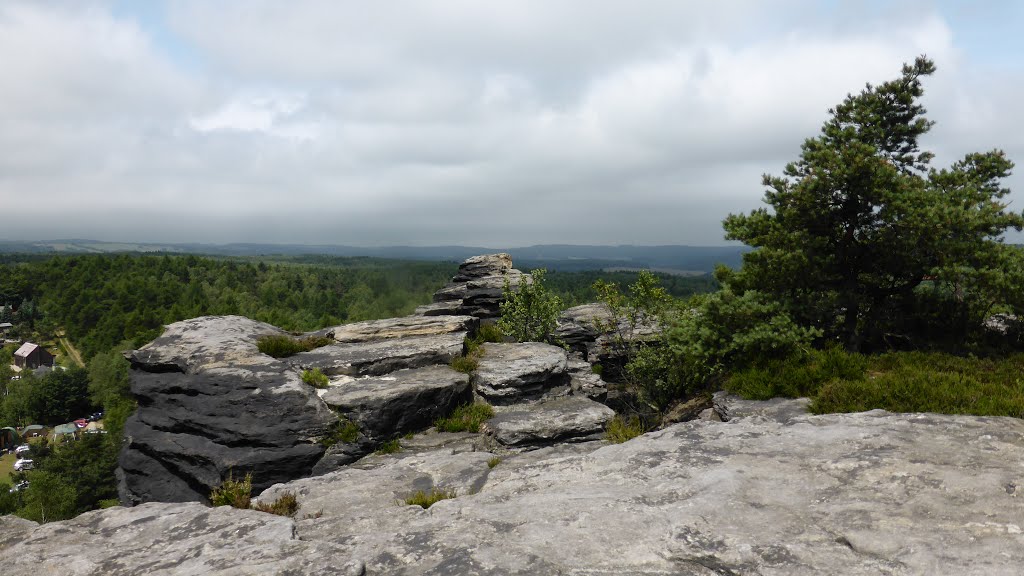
(566, 257)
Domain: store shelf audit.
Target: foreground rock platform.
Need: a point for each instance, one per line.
(772, 492)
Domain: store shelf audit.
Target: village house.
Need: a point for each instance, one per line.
(32, 356)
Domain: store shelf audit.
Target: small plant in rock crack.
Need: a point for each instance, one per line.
(426, 499)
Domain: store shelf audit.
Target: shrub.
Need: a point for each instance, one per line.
(619, 429)
(282, 346)
(428, 499)
(344, 431)
(315, 378)
(465, 418)
(530, 313)
(236, 493)
(389, 447)
(489, 333)
(797, 376)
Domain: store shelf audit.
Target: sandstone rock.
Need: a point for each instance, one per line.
(171, 539)
(205, 341)
(403, 401)
(729, 407)
(210, 403)
(686, 411)
(508, 373)
(484, 265)
(560, 420)
(582, 324)
(379, 357)
(373, 330)
(859, 494)
(446, 308)
(584, 382)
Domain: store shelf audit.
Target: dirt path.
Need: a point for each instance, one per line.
(71, 350)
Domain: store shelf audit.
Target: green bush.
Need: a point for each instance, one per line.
(465, 364)
(800, 375)
(530, 313)
(465, 418)
(315, 378)
(344, 431)
(620, 430)
(428, 499)
(282, 346)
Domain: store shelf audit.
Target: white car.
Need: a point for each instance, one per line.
(23, 449)
(23, 464)
(19, 486)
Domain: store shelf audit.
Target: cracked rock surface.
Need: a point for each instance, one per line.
(771, 491)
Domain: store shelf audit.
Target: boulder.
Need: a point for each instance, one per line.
(377, 357)
(389, 328)
(404, 401)
(569, 419)
(583, 381)
(483, 265)
(210, 404)
(510, 373)
(860, 494)
(445, 308)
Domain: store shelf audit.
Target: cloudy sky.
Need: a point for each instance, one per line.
(458, 122)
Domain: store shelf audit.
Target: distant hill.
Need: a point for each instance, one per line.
(564, 257)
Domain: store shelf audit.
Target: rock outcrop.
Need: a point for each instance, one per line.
(568, 419)
(478, 287)
(210, 403)
(511, 373)
(773, 491)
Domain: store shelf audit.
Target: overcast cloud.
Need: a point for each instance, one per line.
(457, 122)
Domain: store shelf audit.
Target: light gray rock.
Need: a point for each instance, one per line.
(560, 420)
(404, 401)
(584, 382)
(483, 265)
(381, 356)
(171, 539)
(446, 308)
(207, 341)
(404, 327)
(582, 324)
(729, 407)
(858, 494)
(508, 373)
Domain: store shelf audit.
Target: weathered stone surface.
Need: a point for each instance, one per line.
(859, 494)
(582, 324)
(729, 407)
(446, 308)
(403, 327)
(210, 403)
(381, 356)
(171, 539)
(479, 285)
(206, 341)
(686, 411)
(559, 420)
(508, 373)
(584, 382)
(483, 265)
(592, 330)
(403, 401)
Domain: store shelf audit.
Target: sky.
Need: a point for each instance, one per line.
(496, 124)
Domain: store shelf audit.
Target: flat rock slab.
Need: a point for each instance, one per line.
(561, 420)
(203, 342)
(860, 494)
(168, 539)
(508, 373)
(400, 402)
(381, 356)
(416, 325)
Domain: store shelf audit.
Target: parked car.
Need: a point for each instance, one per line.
(96, 416)
(20, 450)
(81, 422)
(23, 464)
(19, 486)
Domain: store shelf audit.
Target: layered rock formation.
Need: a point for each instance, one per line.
(211, 404)
(772, 491)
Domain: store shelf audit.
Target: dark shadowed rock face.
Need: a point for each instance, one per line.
(210, 403)
(772, 492)
(478, 287)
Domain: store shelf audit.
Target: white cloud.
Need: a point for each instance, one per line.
(447, 121)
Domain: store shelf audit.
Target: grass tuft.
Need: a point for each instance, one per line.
(620, 430)
(285, 505)
(464, 364)
(493, 462)
(238, 494)
(427, 499)
(315, 378)
(465, 418)
(344, 431)
(389, 447)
